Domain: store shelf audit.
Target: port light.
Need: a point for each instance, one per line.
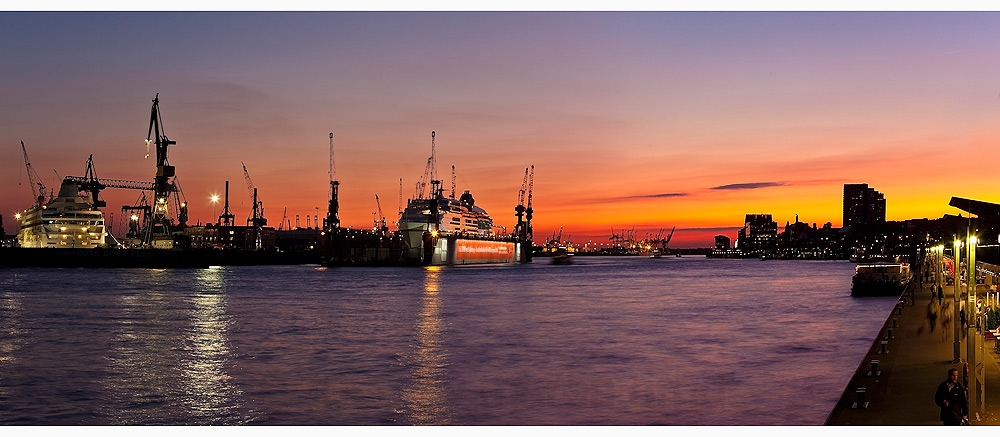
(62, 228)
(17, 216)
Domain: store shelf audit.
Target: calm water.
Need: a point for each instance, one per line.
(607, 341)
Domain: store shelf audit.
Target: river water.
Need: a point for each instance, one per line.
(605, 341)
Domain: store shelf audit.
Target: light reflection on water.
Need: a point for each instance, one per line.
(602, 342)
(140, 375)
(426, 397)
(209, 393)
(11, 332)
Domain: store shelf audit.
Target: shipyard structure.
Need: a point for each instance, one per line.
(433, 229)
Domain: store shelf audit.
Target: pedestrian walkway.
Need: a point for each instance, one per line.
(914, 362)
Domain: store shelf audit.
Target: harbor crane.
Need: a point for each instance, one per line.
(284, 216)
(523, 210)
(529, 234)
(256, 218)
(429, 176)
(37, 188)
(380, 225)
(164, 183)
(332, 220)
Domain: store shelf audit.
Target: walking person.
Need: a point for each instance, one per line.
(945, 320)
(950, 396)
(932, 313)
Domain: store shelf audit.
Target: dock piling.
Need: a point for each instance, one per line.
(874, 371)
(860, 403)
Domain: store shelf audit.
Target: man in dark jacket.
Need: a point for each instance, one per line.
(950, 396)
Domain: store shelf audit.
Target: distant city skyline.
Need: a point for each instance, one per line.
(632, 119)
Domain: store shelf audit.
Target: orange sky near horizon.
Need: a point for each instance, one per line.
(651, 120)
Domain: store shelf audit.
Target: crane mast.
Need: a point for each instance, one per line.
(380, 225)
(256, 218)
(332, 220)
(529, 211)
(162, 186)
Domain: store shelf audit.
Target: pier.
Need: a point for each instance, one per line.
(909, 361)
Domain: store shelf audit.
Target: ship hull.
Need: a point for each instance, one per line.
(865, 289)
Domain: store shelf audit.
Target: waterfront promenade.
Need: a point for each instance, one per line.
(915, 362)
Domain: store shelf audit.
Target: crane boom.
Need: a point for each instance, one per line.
(37, 188)
(380, 222)
(257, 212)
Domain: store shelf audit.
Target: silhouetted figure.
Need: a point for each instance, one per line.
(950, 396)
(932, 313)
(945, 320)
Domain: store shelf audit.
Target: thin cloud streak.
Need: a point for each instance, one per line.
(748, 186)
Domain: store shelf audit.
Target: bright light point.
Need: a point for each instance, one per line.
(215, 198)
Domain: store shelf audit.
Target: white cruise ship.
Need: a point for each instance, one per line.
(68, 220)
(456, 231)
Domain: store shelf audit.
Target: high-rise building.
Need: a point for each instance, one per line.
(722, 242)
(862, 205)
(759, 235)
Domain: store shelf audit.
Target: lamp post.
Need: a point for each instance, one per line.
(215, 208)
(974, 342)
(958, 293)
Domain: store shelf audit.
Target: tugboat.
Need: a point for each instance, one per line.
(562, 256)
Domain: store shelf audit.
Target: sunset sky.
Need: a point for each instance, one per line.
(652, 119)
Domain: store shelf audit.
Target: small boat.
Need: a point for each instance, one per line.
(562, 256)
(880, 279)
(656, 253)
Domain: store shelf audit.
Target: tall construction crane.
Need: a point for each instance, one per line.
(529, 211)
(284, 216)
(163, 186)
(256, 218)
(380, 225)
(520, 228)
(429, 176)
(37, 188)
(399, 205)
(332, 220)
(453, 182)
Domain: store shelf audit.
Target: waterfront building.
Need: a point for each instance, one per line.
(722, 242)
(863, 205)
(759, 236)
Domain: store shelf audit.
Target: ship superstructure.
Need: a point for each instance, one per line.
(68, 220)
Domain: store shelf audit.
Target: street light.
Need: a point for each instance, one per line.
(215, 207)
(956, 316)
